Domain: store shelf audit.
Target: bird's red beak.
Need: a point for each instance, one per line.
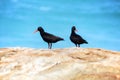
(35, 31)
(76, 30)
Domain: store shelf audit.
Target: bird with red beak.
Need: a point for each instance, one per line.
(47, 37)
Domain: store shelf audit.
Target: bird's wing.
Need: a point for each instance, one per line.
(48, 35)
(51, 37)
(78, 37)
(81, 39)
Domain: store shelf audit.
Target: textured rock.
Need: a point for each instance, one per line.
(59, 64)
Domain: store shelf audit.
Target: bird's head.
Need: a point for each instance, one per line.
(74, 28)
(40, 29)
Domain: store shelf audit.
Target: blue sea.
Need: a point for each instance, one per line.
(97, 21)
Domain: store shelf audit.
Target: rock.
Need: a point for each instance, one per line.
(59, 64)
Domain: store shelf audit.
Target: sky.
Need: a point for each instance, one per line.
(97, 21)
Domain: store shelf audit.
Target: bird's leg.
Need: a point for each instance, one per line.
(50, 45)
(78, 45)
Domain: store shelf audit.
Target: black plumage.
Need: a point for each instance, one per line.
(49, 38)
(75, 38)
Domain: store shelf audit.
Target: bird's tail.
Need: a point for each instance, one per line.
(61, 39)
(85, 42)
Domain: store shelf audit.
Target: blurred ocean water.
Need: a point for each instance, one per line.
(97, 21)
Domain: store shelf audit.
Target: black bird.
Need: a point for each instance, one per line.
(75, 38)
(47, 37)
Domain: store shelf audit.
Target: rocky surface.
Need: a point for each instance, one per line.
(59, 64)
